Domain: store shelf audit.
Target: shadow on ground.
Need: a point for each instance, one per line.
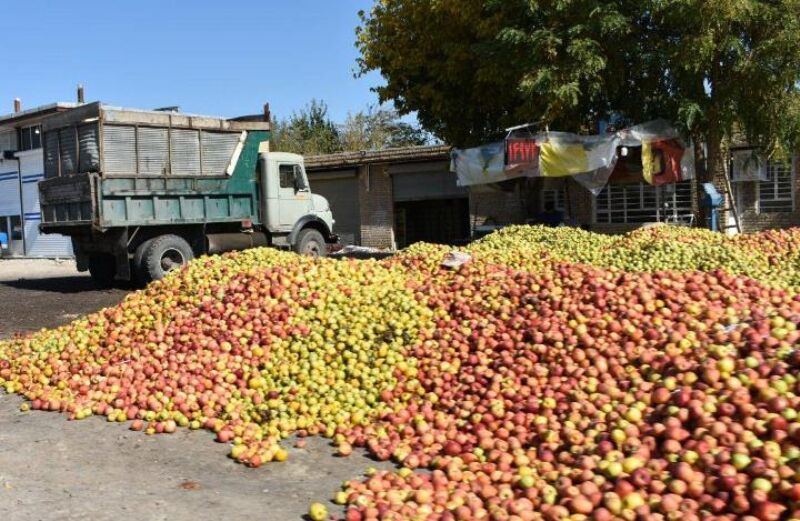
(76, 284)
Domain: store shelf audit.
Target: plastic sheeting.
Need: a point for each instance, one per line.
(590, 160)
(747, 165)
(481, 165)
(666, 158)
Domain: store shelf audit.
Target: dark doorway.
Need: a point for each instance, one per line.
(439, 221)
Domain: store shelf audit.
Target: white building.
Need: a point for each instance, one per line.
(21, 169)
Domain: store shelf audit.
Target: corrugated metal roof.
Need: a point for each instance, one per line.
(389, 155)
(36, 111)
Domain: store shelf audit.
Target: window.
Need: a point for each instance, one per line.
(676, 202)
(30, 138)
(286, 175)
(556, 197)
(7, 141)
(641, 203)
(775, 194)
(291, 176)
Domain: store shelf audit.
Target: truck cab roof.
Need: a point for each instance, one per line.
(287, 157)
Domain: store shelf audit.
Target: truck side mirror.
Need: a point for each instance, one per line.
(299, 181)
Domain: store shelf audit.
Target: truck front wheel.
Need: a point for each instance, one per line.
(310, 242)
(163, 255)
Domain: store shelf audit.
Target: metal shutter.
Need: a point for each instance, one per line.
(185, 152)
(69, 150)
(9, 194)
(218, 150)
(45, 245)
(425, 181)
(88, 152)
(119, 150)
(51, 154)
(153, 151)
(341, 191)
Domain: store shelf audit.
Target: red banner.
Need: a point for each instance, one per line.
(522, 151)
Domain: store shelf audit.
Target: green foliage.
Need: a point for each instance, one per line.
(311, 132)
(378, 128)
(469, 68)
(308, 132)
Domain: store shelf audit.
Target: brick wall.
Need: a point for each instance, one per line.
(496, 206)
(377, 207)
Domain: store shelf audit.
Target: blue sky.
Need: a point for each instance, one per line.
(212, 57)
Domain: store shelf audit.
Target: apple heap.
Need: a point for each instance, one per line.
(772, 257)
(557, 375)
(584, 393)
(253, 346)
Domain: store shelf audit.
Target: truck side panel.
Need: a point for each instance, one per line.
(121, 201)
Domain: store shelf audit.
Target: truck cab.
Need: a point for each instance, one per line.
(288, 208)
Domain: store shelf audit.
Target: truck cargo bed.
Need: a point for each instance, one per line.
(74, 200)
(109, 167)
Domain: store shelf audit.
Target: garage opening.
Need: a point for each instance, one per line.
(429, 206)
(340, 188)
(439, 221)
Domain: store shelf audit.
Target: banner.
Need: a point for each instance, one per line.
(481, 165)
(590, 160)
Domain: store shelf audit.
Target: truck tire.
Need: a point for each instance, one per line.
(164, 254)
(102, 268)
(137, 264)
(310, 242)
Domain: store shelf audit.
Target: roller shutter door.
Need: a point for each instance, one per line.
(9, 192)
(341, 191)
(425, 182)
(38, 244)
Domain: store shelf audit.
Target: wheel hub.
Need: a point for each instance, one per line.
(171, 259)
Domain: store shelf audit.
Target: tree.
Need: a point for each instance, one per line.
(379, 128)
(309, 131)
(472, 67)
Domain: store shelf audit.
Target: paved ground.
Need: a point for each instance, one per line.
(54, 469)
(45, 293)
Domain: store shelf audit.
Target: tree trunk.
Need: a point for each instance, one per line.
(714, 170)
(700, 175)
(709, 168)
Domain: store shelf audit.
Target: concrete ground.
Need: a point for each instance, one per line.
(54, 469)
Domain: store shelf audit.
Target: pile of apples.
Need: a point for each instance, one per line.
(557, 375)
(254, 346)
(772, 257)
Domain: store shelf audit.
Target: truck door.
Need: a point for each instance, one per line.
(293, 194)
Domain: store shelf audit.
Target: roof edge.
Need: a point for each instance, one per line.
(41, 109)
(388, 155)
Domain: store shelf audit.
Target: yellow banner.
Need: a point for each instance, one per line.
(559, 159)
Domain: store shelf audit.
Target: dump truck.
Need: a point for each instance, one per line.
(140, 193)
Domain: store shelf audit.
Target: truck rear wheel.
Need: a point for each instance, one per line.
(310, 242)
(163, 255)
(137, 263)
(102, 268)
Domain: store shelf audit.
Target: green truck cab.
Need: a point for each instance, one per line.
(143, 192)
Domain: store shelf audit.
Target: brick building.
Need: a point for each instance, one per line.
(393, 198)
